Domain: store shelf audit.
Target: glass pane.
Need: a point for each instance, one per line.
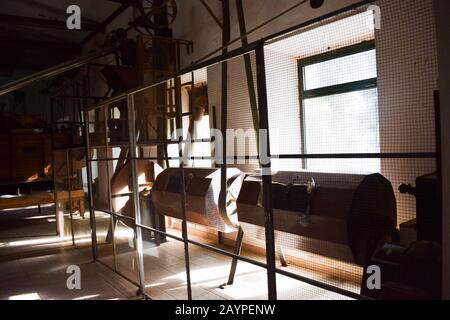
(104, 225)
(126, 258)
(211, 270)
(343, 123)
(164, 268)
(355, 67)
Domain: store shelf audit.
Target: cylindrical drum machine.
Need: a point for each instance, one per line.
(205, 203)
(328, 212)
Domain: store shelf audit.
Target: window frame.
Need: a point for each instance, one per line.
(333, 89)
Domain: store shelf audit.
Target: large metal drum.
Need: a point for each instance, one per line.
(345, 212)
(205, 205)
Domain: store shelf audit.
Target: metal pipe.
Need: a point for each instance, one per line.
(208, 8)
(248, 69)
(54, 71)
(90, 191)
(267, 174)
(183, 187)
(112, 218)
(224, 109)
(425, 155)
(55, 194)
(69, 187)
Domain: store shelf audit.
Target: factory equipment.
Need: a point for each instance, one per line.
(428, 207)
(407, 273)
(353, 212)
(413, 270)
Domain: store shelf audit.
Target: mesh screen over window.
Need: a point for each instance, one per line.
(355, 67)
(316, 113)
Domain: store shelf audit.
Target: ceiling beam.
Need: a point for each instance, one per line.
(6, 19)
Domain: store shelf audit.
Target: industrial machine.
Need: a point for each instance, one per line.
(355, 213)
(414, 270)
(205, 203)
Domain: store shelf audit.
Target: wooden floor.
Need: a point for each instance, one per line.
(33, 264)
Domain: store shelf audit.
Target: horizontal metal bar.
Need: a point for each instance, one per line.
(419, 155)
(207, 247)
(118, 216)
(322, 285)
(147, 228)
(176, 158)
(399, 155)
(122, 195)
(340, 89)
(169, 142)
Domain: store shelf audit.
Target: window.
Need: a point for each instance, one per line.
(339, 109)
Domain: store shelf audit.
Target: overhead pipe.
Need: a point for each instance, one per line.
(248, 71)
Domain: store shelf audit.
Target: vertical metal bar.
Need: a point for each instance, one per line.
(224, 107)
(193, 134)
(266, 172)
(234, 262)
(168, 97)
(80, 112)
(136, 203)
(302, 116)
(113, 220)
(69, 187)
(52, 134)
(248, 68)
(90, 191)
(183, 187)
(437, 117)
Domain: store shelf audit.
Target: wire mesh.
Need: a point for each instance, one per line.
(321, 104)
(354, 118)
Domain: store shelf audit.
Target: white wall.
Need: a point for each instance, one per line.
(407, 77)
(194, 22)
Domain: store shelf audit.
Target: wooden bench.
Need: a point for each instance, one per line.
(42, 198)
